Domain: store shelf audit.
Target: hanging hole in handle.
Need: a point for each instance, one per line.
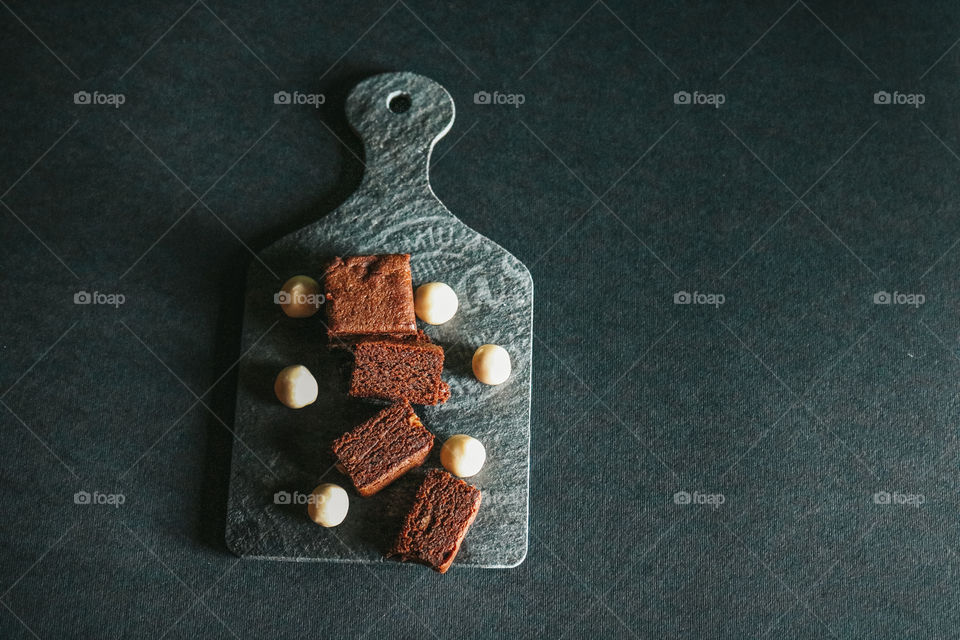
(399, 102)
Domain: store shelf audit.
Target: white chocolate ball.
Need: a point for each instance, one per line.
(435, 302)
(463, 456)
(491, 364)
(300, 297)
(296, 387)
(328, 505)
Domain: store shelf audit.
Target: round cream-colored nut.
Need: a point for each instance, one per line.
(300, 297)
(328, 505)
(296, 387)
(463, 456)
(435, 302)
(491, 364)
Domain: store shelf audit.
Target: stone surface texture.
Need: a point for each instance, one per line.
(279, 452)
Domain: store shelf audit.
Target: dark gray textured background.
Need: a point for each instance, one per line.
(797, 400)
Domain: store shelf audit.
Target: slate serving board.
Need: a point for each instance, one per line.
(281, 454)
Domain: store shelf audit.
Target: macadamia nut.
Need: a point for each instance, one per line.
(435, 302)
(463, 456)
(491, 364)
(328, 505)
(296, 387)
(300, 297)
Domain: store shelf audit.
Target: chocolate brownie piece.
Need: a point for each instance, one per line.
(397, 369)
(370, 295)
(442, 512)
(383, 448)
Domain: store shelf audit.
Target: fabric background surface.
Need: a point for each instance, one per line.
(782, 464)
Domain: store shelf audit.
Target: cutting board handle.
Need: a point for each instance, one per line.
(399, 117)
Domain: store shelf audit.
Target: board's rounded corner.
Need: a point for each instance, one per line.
(230, 541)
(523, 556)
(526, 270)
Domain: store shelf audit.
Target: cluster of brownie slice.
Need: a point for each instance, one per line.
(369, 301)
(370, 309)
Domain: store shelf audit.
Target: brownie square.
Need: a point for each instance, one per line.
(442, 512)
(383, 448)
(370, 295)
(399, 370)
